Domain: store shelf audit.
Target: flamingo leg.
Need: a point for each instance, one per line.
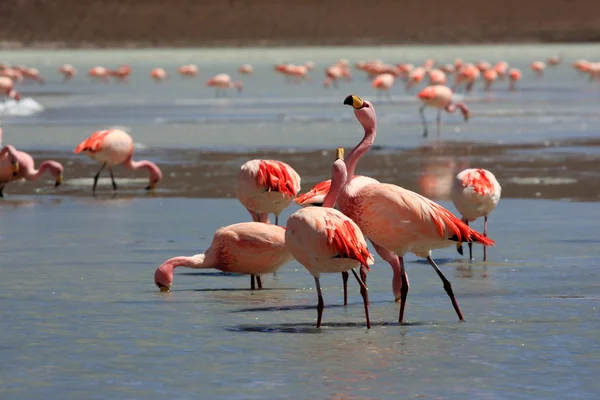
(345, 276)
(447, 287)
(252, 284)
(96, 178)
(485, 234)
(1, 189)
(258, 282)
(423, 120)
(112, 178)
(320, 304)
(470, 245)
(438, 122)
(403, 289)
(277, 220)
(365, 295)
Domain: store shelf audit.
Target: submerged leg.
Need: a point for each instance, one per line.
(1, 189)
(485, 234)
(403, 290)
(345, 276)
(96, 178)
(258, 281)
(470, 245)
(438, 122)
(423, 121)
(252, 284)
(320, 304)
(112, 178)
(365, 295)
(447, 287)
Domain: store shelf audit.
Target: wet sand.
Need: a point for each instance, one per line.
(559, 169)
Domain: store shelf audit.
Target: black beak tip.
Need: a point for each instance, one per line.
(348, 100)
(57, 184)
(148, 187)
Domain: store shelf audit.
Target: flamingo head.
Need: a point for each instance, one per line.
(13, 94)
(56, 170)
(155, 176)
(163, 278)
(464, 110)
(363, 110)
(239, 86)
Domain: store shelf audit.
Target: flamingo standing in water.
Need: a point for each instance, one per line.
(68, 71)
(514, 75)
(248, 248)
(538, 68)
(265, 187)
(440, 97)
(16, 165)
(475, 193)
(113, 147)
(7, 88)
(383, 83)
(245, 69)
(223, 81)
(188, 70)
(490, 76)
(397, 219)
(326, 241)
(158, 74)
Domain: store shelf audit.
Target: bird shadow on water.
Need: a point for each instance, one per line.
(212, 274)
(299, 307)
(305, 327)
(233, 290)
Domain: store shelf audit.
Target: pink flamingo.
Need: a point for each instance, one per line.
(249, 248)
(7, 88)
(265, 187)
(68, 71)
(99, 73)
(490, 76)
(326, 241)
(188, 70)
(468, 74)
(397, 219)
(113, 147)
(538, 67)
(475, 193)
(158, 74)
(224, 81)
(514, 75)
(553, 60)
(245, 69)
(33, 74)
(16, 165)
(383, 83)
(437, 77)
(415, 77)
(121, 74)
(501, 69)
(440, 97)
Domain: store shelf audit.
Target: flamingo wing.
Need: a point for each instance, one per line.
(93, 144)
(274, 176)
(346, 240)
(314, 195)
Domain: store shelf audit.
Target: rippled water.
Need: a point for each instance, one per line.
(83, 319)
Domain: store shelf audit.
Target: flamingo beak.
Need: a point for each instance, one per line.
(59, 180)
(15, 167)
(151, 186)
(354, 101)
(163, 288)
(339, 153)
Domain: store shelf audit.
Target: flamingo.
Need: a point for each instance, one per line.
(265, 187)
(440, 97)
(489, 76)
(113, 147)
(223, 81)
(397, 219)
(501, 69)
(245, 69)
(437, 77)
(68, 71)
(16, 165)
(250, 248)
(100, 73)
(158, 74)
(475, 193)
(383, 83)
(553, 60)
(7, 88)
(468, 73)
(316, 196)
(32, 73)
(188, 70)
(514, 75)
(538, 67)
(326, 241)
(121, 74)
(415, 77)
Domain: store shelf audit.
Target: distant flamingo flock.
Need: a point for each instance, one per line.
(340, 215)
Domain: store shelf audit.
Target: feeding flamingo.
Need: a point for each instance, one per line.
(158, 74)
(538, 67)
(113, 147)
(397, 219)
(475, 193)
(440, 97)
(265, 187)
(7, 88)
(100, 73)
(490, 76)
(223, 81)
(250, 248)
(188, 70)
(514, 75)
(68, 71)
(245, 69)
(326, 241)
(16, 165)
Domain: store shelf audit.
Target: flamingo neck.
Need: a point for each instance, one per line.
(361, 148)
(33, 174)
(338, 178)
(198, 261)
(144, 164)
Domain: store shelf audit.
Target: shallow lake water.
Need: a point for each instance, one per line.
(83, 319)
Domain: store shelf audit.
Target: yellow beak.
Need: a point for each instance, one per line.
(339, 153)
(354, 101)
(165, 289)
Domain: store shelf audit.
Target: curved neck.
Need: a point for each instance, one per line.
(195, 261)
(130, 164)
(361, 148)
(338, 178)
